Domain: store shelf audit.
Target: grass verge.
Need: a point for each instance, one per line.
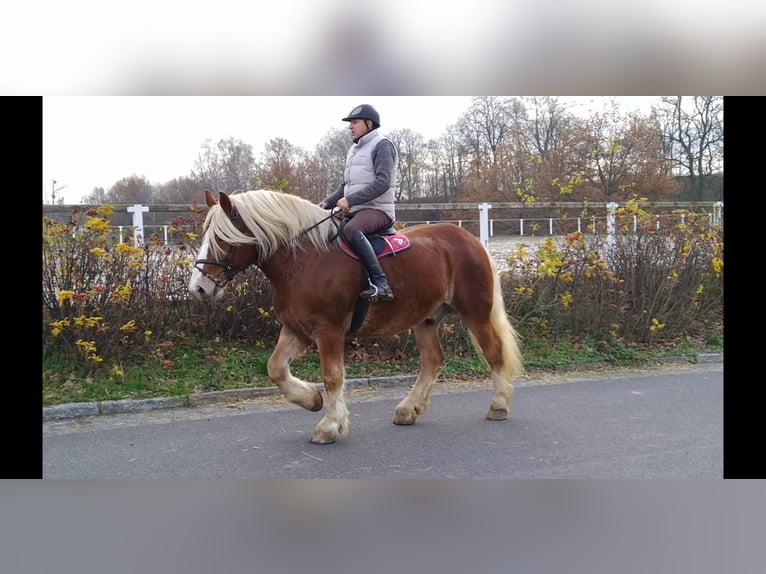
(199, 368)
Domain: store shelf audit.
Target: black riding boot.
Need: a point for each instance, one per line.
(379, 287)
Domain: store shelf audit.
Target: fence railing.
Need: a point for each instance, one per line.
(487, 227)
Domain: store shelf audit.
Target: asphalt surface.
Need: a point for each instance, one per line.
(663, 422)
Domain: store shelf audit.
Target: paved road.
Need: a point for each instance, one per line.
(657, 423)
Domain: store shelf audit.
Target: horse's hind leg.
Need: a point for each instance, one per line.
(289, 347)
(335, 422)
(491, 347)
(431, 360)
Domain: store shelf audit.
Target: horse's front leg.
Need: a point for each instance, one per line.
(290, 347)
(335, 422)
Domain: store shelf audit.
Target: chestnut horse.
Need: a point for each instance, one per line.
(315, 290)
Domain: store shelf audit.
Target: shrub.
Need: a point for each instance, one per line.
(656, 280)
(109, 301)
(109, 307)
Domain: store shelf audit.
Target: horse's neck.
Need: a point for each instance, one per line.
(283, 267)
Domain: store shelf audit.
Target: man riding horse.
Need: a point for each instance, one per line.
(366, 196)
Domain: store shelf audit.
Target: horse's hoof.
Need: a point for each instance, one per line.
(318, 402)
(323, 438)
(405, 417)
(497, 415)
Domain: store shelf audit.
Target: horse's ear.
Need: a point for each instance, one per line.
(226, 205)
(210, 198)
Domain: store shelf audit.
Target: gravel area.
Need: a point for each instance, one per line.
(502, 248)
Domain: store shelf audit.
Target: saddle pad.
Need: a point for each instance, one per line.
(384, 245)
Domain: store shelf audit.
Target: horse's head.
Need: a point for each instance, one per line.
(221, 256)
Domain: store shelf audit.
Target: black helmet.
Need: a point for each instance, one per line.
(364, 112)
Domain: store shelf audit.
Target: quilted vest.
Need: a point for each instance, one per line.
(360, 172)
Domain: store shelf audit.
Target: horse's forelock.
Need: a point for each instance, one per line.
(219, 227)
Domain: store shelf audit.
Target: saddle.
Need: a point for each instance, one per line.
(385, 242)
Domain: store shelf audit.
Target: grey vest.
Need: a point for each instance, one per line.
(360, 172)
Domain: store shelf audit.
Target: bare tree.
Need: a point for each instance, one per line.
(97, 196)
(434, 178)
(184, 189)
(543, 123)
(310, 182)
(330, 153)
(625, 157)
(694, 137)
(484, 128)
(535, 151)
(412, 157)
(486, 125)
(131, 190)
(278, 168)
(227, 165)
(451, 157)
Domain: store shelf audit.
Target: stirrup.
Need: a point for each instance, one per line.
(374, 293)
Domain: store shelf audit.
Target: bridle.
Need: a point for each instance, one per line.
(230, 271)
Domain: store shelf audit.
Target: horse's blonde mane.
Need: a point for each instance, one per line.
(275, 219)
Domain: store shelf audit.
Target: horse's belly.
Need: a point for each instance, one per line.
(392, 317)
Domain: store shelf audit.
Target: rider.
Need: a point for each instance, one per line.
(366, 197)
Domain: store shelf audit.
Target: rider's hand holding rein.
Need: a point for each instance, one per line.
(341, 205)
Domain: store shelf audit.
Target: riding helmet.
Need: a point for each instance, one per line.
(364, 112)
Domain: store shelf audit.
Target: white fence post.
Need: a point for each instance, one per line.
(138, 222)
(718, 213)
(484, 223)
(611, 232)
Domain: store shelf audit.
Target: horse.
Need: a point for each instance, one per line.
(315, 294)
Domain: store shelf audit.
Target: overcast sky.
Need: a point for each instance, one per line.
(94, 141)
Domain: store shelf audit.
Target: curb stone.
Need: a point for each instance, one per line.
(80, 410)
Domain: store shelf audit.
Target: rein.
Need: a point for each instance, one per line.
(332, 215)
(229, 271)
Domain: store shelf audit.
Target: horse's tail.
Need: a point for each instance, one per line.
(513, 365)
